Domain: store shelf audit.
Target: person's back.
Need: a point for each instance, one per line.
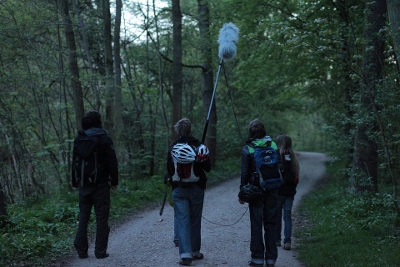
(262, 210)
(287, 191)
(95, 193)
(188, 189)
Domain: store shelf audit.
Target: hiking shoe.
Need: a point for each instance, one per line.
(256, 264)
(287, 246)
(198, 256)
(185, 261)
(83, 256)
(102, 256)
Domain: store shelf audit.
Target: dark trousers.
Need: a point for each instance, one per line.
(263, 217)
(99, 198)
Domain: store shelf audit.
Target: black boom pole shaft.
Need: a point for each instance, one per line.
(212, 101)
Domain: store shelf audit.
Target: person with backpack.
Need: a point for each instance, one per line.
(287, 191)
(262, 201)
(187, 162)
(94, 172)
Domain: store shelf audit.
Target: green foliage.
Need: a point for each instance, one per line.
(346, 228)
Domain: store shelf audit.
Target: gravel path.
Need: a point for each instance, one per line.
(146, 238)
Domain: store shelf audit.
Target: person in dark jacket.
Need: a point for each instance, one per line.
(287, 191)
(95, 195)
(263, 211)
(187, 162)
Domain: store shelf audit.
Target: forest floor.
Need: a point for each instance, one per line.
(145, 239)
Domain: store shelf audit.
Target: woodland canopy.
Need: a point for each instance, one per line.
(324, 72)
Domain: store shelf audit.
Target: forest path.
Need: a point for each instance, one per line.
(145, 240)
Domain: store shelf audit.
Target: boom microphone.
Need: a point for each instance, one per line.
(227, 39)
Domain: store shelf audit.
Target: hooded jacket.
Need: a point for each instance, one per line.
(248, 168)
(108, 163)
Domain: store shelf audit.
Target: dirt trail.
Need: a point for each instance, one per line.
(146, 239)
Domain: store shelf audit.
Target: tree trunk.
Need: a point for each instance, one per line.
(366, 158)
(110, 87)
(207, 77)
(350, 88)
(3, 204)
(393, 8)
(73, 63)
(177, 64)
(117, 77)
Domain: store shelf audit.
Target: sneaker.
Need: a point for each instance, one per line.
(198, 256)
(83, 256)
(256, 264)
(102, 256)
(176, 243)
(185, 261)
(287, 246)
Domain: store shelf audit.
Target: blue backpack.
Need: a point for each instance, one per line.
(268, 166)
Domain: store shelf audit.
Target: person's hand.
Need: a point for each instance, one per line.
(241, 201)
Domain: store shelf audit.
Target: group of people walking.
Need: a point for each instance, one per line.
(187, 163)
(265, 212)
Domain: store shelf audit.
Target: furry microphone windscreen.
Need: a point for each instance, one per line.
(228, 37)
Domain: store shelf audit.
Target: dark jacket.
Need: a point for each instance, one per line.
(248, 166)
(289, 187)
(108, 163)
(199, 168)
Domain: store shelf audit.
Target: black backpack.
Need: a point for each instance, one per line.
(86, 160)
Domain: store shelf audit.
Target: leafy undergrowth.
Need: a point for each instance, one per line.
(41, 230)
(347, 229)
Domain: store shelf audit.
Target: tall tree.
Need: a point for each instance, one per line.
(109, 67)
(207, 76)
(393, 8)
(177, 63)
(117, 76)
(73, 63)
(366, 150)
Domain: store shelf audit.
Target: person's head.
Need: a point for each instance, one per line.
(92, 119)
(284, 141)
(256, 130)
(183, 127)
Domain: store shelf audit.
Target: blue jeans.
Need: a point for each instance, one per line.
(263, 215)
(285, 203)
(175, 229)
(188, 210)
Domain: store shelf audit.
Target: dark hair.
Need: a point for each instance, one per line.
(256, 130)
(91, 119)
(183, 127)
(284, 143)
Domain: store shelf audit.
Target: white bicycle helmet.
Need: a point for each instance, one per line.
(202, 153)
(183, 153)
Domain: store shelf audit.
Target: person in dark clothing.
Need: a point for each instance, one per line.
(287, 191)
(187, 162)
(263, 211)
(95, 195)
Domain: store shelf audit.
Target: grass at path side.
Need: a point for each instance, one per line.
(339, 228)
